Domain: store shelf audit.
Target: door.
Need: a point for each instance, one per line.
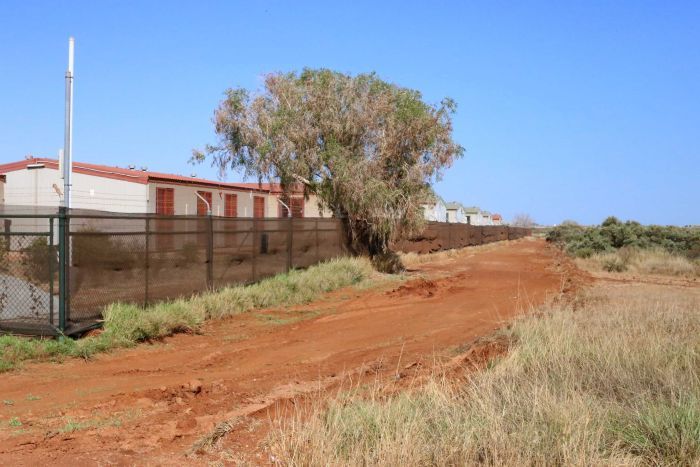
(258, 207)
(201, 205)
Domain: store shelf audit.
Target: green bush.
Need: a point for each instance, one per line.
(613, 234)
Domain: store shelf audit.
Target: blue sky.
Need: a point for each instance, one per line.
(568, 110)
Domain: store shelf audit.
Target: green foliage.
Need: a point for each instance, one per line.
(613, 234)
(37, 257)
(368, 148)
(666, 433)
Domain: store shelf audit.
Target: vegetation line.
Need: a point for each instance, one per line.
(617, 246)
(126, 324)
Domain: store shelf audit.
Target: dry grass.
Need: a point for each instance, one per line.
(614, 381)
(655, 261)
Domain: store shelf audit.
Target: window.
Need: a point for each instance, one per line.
(296, 205)
(258, 207)
(230, 205)
(201, 205)
(165, 201)
(282, 209)
(165, 206)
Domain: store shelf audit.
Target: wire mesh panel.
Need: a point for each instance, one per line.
(177, 258)
(106, 264)
(271, 246)
(28, 274)
(233, 251)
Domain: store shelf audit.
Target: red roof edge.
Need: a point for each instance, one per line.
(130, 175)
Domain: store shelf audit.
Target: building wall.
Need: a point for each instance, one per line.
(456, 216)
(311, 208)
(2, 191)
(474, 218)
(35, 188)
(435, 212)
(185, 199)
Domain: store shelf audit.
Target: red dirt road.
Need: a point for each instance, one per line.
(151, 403)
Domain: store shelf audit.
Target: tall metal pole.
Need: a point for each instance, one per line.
(68, 137)
(63, 221)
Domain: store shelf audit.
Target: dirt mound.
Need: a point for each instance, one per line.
(419, 287)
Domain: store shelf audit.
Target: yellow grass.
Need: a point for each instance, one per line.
(655, 261)
(614, 381)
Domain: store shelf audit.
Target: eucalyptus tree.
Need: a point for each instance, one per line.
(367, 148)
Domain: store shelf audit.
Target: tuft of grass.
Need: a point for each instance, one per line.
(292, 288)
(614, 381)
(125, 324)
(210, 439)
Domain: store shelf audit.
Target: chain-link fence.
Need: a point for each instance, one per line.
(58, 270)
(29, 274)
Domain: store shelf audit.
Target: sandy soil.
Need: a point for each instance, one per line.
(149, 405)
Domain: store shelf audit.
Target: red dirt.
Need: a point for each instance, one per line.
(151, 403)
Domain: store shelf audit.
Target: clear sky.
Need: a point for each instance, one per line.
(568, 110)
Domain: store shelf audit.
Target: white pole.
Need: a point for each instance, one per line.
(68, 136)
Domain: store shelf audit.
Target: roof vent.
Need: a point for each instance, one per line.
(144, 168)
(132, 166)
(193, 175)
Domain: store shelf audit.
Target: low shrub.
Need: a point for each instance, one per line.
(612, 235)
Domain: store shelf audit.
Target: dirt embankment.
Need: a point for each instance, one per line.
(153, 402)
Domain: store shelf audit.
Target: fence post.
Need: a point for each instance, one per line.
(52, 258)
(62, 268)
(290, 239)
(210, 251)
(8, 229)
(147, 261)
(253, 255)
(317, 246)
